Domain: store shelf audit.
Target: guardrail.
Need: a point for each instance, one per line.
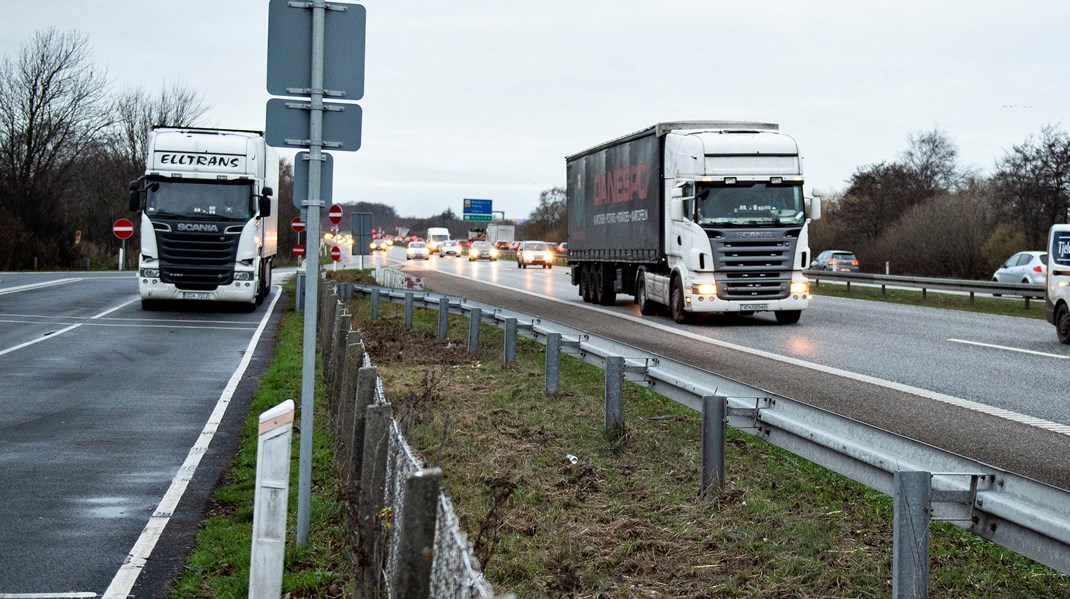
(1027, 292)
(1022, 515)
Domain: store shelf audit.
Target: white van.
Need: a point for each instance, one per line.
(435, 237)
(1057, 289)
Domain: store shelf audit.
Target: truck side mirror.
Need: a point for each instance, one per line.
(264, 204)
(815, 208)
(267, 192)
(134, 197)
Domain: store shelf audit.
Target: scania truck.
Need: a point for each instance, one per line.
(699, 217)
(209, 216)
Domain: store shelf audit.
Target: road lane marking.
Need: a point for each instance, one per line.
(145, 325)
(1047, 425)
(54, 334)
(1004, 347)
(33, 286)
(141, 552)
(71, 595)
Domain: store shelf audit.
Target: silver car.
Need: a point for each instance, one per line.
(1024, 267)
(534, 252)
(482, 249)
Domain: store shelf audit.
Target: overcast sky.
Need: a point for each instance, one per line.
(485, 98)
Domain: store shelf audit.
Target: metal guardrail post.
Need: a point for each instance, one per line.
(443, 317)
(614, 393)
(365, 397)
(375, 303)
(510, 341)
(375, 516)
(408, 310)
(416, 534)
(476, 317)
(910, 534)
(269, 505)
(553, 363)
(714, 419)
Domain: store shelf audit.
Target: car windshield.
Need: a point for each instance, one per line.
(749, 204)
(199, 199)
(481, 245)
(843, 257)
(537, 246)
(417, 245)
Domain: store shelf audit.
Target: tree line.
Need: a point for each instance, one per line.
(925, 214)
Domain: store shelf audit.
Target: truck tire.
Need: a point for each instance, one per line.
(149, 305)
(607, 296)
(676, 302)
(585, 283)
(1062, 324)
(646, 307)
(788, 316)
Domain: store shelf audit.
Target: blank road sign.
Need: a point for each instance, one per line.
(289, 61)
(301, 179)
(288, 125)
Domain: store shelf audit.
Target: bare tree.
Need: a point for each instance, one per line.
(1033, 180)
(932, 160)
(137, 112)
(547, 221)
(51, 110)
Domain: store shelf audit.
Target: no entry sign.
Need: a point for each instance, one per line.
(123, 228)
(297, 224)
(335, 214)
(299, 250)
(336, 253)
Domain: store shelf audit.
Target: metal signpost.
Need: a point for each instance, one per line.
(299, 64)
(478, 210)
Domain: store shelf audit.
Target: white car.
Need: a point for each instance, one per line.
(417, 249)
(450, 247)
(534, 252)
(1023, 267)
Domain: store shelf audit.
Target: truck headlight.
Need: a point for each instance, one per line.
(705, 289)
(243, 276)
(800, 287)
(150, 273)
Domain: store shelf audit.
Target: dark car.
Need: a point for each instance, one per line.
(835, 261)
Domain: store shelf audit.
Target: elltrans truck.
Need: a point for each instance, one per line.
(209, 222)
(700, 217)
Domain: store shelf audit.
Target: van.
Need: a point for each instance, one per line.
(1057, 287)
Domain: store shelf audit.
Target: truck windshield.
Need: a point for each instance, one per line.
(749, 204)
(199, 199)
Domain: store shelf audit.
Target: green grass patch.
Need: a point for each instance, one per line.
(1008, 306)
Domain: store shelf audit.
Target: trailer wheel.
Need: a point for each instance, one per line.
(607, 296)
(585, 283)
(676, 302)
(788, 316)
(646, 307)
(1062, 324)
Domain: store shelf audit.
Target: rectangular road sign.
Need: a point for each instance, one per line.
(360, 224)
(288, 123)
(479, 217)
(301, 179)
(478, 206)
(289, 59)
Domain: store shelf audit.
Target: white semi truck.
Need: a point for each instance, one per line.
(209, 219)
(696, 216)
(499, 233)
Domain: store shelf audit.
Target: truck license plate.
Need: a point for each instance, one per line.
(754, 307)
(196, 295)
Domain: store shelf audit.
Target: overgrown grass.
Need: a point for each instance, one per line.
(1009, 306)
(626, 519)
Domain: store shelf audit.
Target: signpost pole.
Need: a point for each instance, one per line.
(308, 366)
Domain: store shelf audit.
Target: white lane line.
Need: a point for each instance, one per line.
(146, 325)
(141, 552)
(55, 334)
(33, 286)
(147, 320)
(1004, 347)
(1047, 425)
(72, 595)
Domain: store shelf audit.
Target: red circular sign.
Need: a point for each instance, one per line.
(336, 253)
(299, 250)
(123, 228)
(335, 214)
(297, 224)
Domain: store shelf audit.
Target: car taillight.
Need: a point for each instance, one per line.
(1037, 268)
(854, 262)
(834, 262)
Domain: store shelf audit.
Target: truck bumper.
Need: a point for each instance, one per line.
(238, 291)
(708, 304)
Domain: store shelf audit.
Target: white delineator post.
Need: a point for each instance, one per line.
(272, 496)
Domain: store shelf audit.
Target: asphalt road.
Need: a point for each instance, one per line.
(988, 387)
(113, 418)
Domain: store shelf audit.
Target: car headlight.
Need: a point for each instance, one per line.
(243, 276)
(800, 287)
(706, 289)
(150, 273)
(494, 252)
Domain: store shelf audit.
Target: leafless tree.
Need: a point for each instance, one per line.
(51, 110)
(138, 111)
(547, 221)
(1033, 180)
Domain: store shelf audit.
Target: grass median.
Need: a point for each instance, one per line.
(623, 519)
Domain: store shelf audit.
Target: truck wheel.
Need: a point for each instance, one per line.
(676, 302)
(1062, 324)
(585, 283)
(149, 305)
(788, 316)
(607, 296)
(646, 307)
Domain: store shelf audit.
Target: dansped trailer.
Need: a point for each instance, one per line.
(209, 221)
(696, 216)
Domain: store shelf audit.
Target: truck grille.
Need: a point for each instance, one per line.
(753, 264)
(197, 261)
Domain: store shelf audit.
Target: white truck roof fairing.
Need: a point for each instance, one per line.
(737, 153)
(205, 153)
(662, 129)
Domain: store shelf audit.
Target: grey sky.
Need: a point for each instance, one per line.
(484, 98)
